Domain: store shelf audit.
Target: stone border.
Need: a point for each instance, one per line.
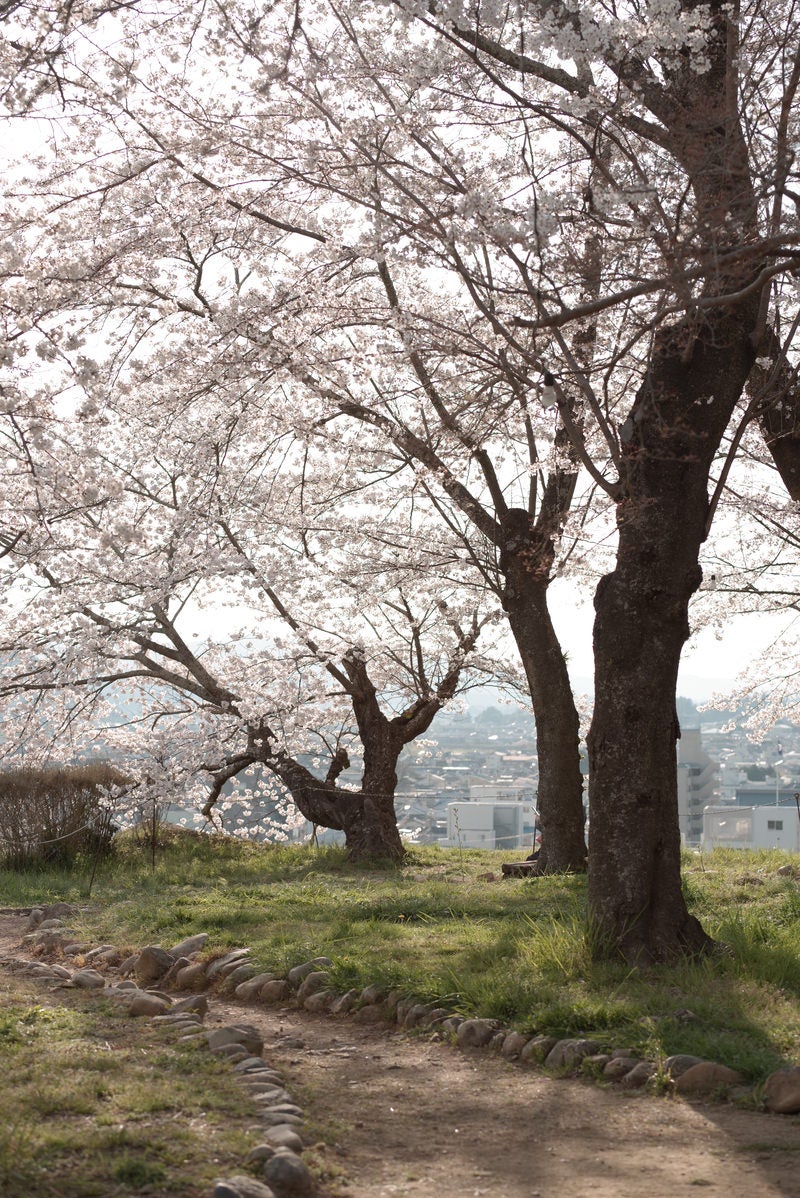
(680, 1073)
(181, 969)
(280, 1130)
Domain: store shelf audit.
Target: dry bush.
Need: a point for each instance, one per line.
(50, 816)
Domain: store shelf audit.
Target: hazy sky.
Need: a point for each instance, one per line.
(709, 664)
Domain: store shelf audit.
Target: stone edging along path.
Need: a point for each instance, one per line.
(145, 978)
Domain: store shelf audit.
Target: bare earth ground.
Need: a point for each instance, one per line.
(404, 1115)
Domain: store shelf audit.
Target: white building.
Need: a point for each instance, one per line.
(490, 825)
(697, 778)
(758, 827)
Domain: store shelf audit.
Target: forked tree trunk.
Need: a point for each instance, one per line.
(696, 375)
(367, 817)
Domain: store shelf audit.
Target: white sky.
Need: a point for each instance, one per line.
(711, 662)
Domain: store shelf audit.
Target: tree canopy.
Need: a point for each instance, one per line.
(543, 259)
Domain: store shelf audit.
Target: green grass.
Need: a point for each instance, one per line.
(435, 929)
(101, 1105)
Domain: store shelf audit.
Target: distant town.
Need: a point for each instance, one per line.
(473, 783)
(476, 782)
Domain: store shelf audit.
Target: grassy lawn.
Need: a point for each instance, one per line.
(95, 1103)
(437, 929)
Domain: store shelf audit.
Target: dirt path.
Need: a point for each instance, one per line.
(404, 1115)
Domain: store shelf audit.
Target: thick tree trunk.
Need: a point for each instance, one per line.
(560, 797)
(366, 816)
(371, 832)
(635, 899)
(636, 905)
(696, 375)
(374, 833)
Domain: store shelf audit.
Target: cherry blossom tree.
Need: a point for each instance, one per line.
(381, 348)
(324, 643)
(698, 102)
(32, 39)
(751, 574)
(479, 201)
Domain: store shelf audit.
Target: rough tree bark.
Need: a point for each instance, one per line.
(365, 816)
(697, 373)
(526, 570)
(687, 119)
(636, 904)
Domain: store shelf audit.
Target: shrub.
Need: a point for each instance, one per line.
(51, 815)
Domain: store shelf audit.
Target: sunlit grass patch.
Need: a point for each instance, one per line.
(438, 929)
(88, 1107)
